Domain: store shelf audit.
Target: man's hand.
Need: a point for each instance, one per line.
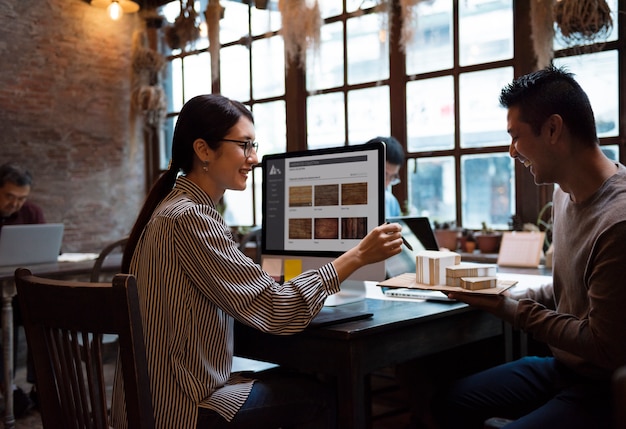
(500, 305)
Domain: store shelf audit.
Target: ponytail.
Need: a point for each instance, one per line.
(160, 189)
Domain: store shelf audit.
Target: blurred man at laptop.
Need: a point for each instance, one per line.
(15, 209)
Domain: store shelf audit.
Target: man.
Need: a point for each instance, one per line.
(15, 209)
(581, 314)
(395, 160)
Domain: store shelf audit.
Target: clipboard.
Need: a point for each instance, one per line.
(521, 249)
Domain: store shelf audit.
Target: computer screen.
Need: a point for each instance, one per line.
(319, 203)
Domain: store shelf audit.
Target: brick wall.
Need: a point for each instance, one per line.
(65, 80)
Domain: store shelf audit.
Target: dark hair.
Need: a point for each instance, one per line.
(208, 117)
(394, 151)
(549, 91)
(16, 174)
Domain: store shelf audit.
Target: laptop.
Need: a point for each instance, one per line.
(22, 245)
(418, 232)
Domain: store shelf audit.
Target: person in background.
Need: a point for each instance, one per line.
(580, 315)
(194, 282)
(16, 209)
(395, 160)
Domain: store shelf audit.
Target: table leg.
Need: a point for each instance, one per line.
(7, 355)
(352, 402)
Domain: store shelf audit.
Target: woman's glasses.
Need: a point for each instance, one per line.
(246, 145)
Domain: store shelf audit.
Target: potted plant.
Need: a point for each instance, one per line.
(447, 235)
(488, 240)
(467, 241)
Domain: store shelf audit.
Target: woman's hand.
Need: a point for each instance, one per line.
(379, 244)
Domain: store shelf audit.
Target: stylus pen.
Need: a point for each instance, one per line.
(406, 243)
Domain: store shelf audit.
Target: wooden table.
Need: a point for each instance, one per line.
(57, 270)
(398, 332)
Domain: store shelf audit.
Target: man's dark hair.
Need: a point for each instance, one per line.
(16, 174)
(393, 152)
(549, 91)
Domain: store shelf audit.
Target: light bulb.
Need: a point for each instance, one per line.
(115, 10)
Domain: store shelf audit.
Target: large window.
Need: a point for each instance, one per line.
(434, 86)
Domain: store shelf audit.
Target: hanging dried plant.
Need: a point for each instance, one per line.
(583, 21)
(150, 101)
(148, 97)
(301, 23)
(408, 9)
(185, 29)
(542, 27)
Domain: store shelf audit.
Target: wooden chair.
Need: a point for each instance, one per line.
(60, 315)
(108, 340)
(108, 249)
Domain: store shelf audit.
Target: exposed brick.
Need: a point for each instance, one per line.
(65, 83)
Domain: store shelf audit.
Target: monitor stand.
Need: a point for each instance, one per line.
(351, 291)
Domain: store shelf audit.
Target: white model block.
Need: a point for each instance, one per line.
(476, 283)
(430, 266)
(468, 269)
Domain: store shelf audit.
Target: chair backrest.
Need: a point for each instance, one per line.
(64, 322)
(97, 265)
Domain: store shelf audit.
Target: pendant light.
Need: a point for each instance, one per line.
(116, 8)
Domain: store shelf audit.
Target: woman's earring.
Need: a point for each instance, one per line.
(205, 167)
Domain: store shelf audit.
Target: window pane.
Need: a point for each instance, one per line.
(165, 143)
(235, 72)
(325, 68)
(368, 49)
(352, 5)
(488, 191)
(432, 188)
(485, 31)
(561, 43)
(197, 69)
(325, 120)
(611, 151)
(597, 74)
(330, 8)
(268, 67)
(238, 205)
(265, 20)
(368, 114)
(270, 126)
(483, 120)
(430, 114)
(177, 98)
(431, 46)
(233, 26)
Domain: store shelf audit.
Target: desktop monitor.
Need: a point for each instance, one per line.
(319, 203)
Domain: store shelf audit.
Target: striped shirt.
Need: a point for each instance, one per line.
(193, 282)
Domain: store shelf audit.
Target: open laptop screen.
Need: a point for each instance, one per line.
(22, 245)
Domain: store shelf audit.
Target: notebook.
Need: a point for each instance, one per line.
(333, 315)
(22, 245)
(419, 234)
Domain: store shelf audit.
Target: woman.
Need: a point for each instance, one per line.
(194, 282)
